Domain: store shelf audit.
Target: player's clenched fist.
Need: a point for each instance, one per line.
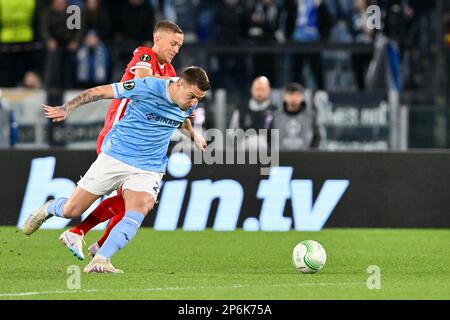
(200, 142)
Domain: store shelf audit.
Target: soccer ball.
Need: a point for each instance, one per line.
(309, 256)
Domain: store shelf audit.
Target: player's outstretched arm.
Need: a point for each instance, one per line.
(60, 113)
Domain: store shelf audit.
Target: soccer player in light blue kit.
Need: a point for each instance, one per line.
(133, 153)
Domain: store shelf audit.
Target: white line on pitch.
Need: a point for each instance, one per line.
(34, 293)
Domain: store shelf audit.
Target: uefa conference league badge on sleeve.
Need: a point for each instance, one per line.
(145, 57)
(129, 85)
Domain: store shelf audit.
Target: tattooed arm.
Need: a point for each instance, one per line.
(60, 113)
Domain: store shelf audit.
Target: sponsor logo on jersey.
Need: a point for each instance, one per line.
(155, 117)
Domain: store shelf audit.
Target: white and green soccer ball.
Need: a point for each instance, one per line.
(309, 256)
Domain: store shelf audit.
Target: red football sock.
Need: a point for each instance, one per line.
(107, 209)
(114, 220)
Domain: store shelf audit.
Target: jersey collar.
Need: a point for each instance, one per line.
(168, 81)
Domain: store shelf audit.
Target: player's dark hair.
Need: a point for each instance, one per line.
(294, 87)
(167, 25)
(196, 76)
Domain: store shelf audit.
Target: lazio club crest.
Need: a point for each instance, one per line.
(145, 57)
(128, 85)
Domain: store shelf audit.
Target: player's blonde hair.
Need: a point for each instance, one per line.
(166, 25)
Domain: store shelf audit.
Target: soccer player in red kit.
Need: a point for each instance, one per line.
(167, 41)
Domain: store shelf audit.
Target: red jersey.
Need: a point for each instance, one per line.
(143, 57)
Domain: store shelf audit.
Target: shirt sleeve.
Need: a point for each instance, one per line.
(142, 58)
(136, 89)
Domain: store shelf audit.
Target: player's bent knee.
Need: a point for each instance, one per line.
(143, 204)
(79, 202)
(147, 204)
(138, 200)
(71, 210)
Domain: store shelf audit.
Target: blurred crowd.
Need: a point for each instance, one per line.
(38, 49)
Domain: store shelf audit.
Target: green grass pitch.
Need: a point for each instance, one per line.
(414, 264)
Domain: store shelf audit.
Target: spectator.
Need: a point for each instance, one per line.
(341, 10)
(230, 25)
(256, 114)
(186, 15)
(231, 22)
(32, 80)
(92, 58)
(384, 70)
(307, 21)
(205, 20)
(132, 27)
(138, 21)
(296, 121)
(419, 45)
(361, 34)
(114, 11)
(62, 45)
(424, 15)
(164, 10)
(17, 34)
(97, 19)
(4, 124)
(264, 21)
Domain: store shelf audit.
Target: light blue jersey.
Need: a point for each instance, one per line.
(142, 136)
